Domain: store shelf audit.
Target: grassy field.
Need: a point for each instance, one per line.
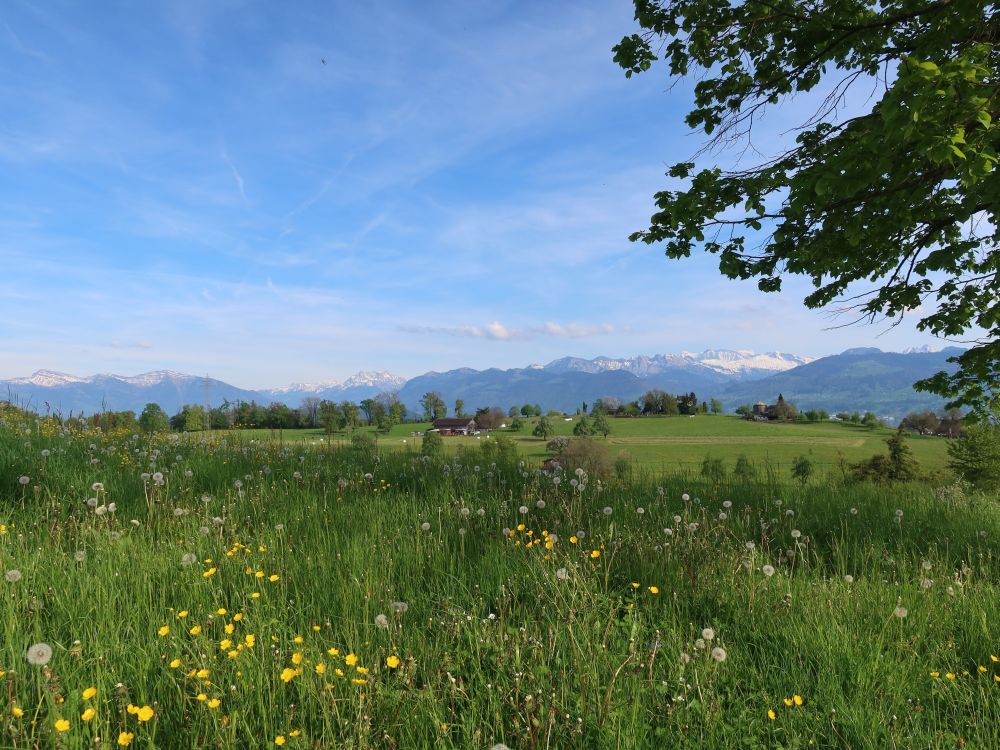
(250, 595)
(670, 444)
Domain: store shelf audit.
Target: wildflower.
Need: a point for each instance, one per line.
(900, 612)
(392, 662)
(297, 658)
(209, 573)
(320, 668)
(125, 739)
(62, 725)
(17, 712)
(595, 553)
(606, 510)
(771, 715)
(144, 714)
(288, 674)
(87, 715)
(351, 659)
(12, 576)
(950, 675)
(196, 630)
(89, 693)
(175, 663)
(797, 699)
(768, 570)
(523, 509)
(80, 555)
(182, 614)
(719, 654)
(849, 579)
(202, 674)
(279, 740)
(654, 590)
(333, 651)
(273, 578)
(788, 702)
(708, 634)
(214, 703)
(201, 697)
(164, 630)
(400, 608)
(39, 654)
(23, 480)
(935, 675)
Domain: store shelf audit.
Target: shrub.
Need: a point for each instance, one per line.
(586, 454)
(432, 444)
(363, 442)
(744, 470)
(557, 444)
(712, 468)
(802, 469)
(976, 456)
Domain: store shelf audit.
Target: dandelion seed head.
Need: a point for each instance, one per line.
(38, 654)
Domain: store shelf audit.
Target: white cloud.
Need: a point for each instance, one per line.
(497, 331)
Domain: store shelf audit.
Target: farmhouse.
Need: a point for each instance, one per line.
(454, 426)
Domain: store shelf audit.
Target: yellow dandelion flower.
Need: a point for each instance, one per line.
(392, 662)
(320, 668)
(214, 703)
(125, 739)
(771, 715)
(297, 658)
(359, 681)
(165, 630)
(279, 740)
(210, 572)
(17, 712)
(316, 628)
(935, 675)
(950, 675)
(362, 670)
(333, 651)
(182, 614)
(654, 590)
(994, 659)
(230, 628)
(260, 574)
(288, 674)
(635, 585)
(202, 697)
(87, 715)
(225, 644)
(201, 674)
(62, 725)
(89, 693)
(250, 640)
(196, 630)
(220, 611)
(982, 669)
(274, 577)
(255, 595)
(788, 702)
(175, 663)
(237, 617)
(798, 700)
(351, 659)
(295, 733)
(131, 709)
(595, 553)
(298, 639)
(232, 654)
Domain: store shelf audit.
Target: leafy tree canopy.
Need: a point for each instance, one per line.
(901, 197)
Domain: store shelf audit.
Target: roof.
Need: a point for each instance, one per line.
(453, 422)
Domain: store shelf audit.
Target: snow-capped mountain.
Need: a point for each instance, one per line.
(726, 363)
(359, 386)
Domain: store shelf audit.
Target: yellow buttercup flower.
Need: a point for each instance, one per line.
(351, 659)
(87, 715)
(798, 700)
(595, 553)
(125, 739)
(392, 662)
(182, 614)
(788, 701)
(89, 693)
(279, 740)
(214, 703)
(320, 668)
(298, 639)
(196, 630)
(17, 712)
(201, 674)
(654, 590)
(210, 572)
(229, 628)
(273, 578)
(288, 674)
(165, 630)
(297, 658)
(771, 715)
(144, 714)
(202, 697)
(175, 663)
(62, 725)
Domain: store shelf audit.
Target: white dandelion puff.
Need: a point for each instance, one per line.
(38, 654)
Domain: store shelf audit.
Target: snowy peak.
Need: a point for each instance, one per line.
(49, 379)
(154, 378)
(730, 363)
(374, 379)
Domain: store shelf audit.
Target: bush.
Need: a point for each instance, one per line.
(586, 454)
(712, 468)
(744, 470)
(500, 449)
(432, 444)
(363, 442)
(898, 466)
(976, 456)
(802, 469)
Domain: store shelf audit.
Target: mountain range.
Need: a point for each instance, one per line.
(858, 379)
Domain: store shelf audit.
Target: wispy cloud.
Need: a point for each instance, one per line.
(497, 331)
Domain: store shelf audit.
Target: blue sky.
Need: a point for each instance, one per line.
(188, 185)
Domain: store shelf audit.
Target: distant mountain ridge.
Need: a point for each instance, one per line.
(858, 379)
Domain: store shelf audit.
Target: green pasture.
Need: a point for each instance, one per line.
(678, 444)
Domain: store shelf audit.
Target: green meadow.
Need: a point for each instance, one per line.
(680, 443)
(226, 591)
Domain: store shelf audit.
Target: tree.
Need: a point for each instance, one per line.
(904, 192)
(189, 419)
(512, 412)
(516, 425)
(329, 416)
(543, 429)
(369, 406)
(583, 428)
(601, 425)
(489, 417)
(745, 411)
(976, 456)
(716, 406)
(802, 469)
(432, 443)
(923, 423)
(434, 406)
(154, 419)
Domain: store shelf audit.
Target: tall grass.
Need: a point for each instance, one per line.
(538, 637)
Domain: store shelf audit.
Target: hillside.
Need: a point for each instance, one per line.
(856, 380)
